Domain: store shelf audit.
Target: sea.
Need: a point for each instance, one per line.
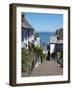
(45, 37)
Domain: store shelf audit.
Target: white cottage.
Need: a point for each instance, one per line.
(28, 34)
(56, 42)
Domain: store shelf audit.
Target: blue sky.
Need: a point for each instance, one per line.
(45, 22)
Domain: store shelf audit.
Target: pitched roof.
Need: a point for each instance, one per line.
(25, 24)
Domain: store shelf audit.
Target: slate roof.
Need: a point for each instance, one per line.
(25, 24)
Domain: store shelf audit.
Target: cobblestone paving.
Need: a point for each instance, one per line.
(47, 68)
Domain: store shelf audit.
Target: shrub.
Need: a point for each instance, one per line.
(27, 59)
(58, 55)
(30, 56)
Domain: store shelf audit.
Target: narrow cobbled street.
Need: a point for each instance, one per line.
(47, 68)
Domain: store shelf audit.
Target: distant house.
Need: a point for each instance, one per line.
(27, 33)
(59, 33)
(56, 42)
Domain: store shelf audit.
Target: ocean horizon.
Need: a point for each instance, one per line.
(45, 37)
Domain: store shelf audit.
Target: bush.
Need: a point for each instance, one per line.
(58, 55)
(27, 59)
(30, 56)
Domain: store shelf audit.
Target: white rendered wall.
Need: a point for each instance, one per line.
(37, 42)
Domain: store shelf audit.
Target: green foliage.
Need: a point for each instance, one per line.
(58, 55)
(39, 52)
(29, 57)
(62, 54)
